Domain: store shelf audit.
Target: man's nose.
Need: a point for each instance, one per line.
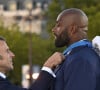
(12, 54)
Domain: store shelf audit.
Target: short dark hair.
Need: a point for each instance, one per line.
(2, 38)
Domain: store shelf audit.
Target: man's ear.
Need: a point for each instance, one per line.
(73, 29)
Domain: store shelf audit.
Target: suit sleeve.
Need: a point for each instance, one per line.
(44, 81)
(79, 75)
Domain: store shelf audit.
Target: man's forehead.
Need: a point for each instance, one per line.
(58, 17)
(3, 44)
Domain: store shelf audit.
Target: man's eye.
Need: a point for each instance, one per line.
(58, 25)
(8, 51)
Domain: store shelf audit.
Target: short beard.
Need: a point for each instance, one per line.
(62, 40)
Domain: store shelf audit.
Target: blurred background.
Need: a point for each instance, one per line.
(27, 25)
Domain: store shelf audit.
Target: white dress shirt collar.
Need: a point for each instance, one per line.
(2, 75)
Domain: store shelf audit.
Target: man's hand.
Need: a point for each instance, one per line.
(54, 60)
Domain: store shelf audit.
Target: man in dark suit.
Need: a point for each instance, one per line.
(46, 77)
(81, 68)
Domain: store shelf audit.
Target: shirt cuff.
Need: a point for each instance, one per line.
(47, 69)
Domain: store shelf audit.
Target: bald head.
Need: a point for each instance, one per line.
(73, 11)
(74, 16)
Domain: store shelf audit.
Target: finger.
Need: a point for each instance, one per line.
(62, 56)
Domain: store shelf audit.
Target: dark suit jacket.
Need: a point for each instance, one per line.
(42, 83)
(80, 70)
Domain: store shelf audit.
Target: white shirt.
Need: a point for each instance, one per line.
(47, 69)
(2, 75)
